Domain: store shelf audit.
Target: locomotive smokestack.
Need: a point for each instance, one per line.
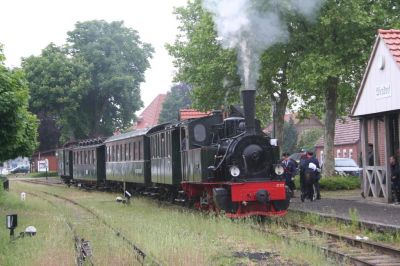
(248, 98)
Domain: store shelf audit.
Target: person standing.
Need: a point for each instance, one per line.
(289, 172)
(302, 160)
(311, 172)
(395, 177)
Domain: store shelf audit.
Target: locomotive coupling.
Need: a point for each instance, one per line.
(262, 196)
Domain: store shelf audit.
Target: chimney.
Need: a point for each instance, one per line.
(248, 98)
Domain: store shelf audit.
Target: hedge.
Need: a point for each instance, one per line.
(336, 182)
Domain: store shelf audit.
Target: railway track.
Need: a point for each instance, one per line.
(82, 247)
(141, 257)
(342, 248)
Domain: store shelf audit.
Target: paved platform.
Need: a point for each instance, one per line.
(381, 214)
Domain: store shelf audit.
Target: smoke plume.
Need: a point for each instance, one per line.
(249, 29)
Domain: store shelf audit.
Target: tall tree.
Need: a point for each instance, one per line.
(117, 60)
(18, 127)
(177, 98)
(56, 84)
(334, 50)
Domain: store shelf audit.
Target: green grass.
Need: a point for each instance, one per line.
(41, 174)
(172, 237)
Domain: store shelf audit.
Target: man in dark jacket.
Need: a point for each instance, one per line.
(395, 177)
(310, 168)
(290, 171)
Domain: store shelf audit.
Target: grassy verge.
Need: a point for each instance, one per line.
(171, 236)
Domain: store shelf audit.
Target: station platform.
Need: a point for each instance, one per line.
(383, 215)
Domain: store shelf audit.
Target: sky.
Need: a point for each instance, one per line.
(28, 26)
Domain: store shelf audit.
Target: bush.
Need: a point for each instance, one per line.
(336, 182)
(42, 174)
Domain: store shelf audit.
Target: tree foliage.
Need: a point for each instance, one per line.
(176, 99)
(332, 53)
(18, 127)
(57, 84)
(202, 62)
(116, 60)
(90, 86)
(308, 138)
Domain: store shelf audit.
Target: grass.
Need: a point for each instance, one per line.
(173, 237)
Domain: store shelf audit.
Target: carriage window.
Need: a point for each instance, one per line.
(162, 145)
(199, 133)
(120, 152)
(112, 153)
(129, 151)
(89, 152)
(140, 151)
(126, 152)
(93, 156)
(80, 157)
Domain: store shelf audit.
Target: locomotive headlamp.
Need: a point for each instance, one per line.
(279, 169)
(234, 171)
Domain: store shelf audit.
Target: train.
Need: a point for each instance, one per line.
(221, 163)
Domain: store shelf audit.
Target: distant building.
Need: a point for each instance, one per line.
(50, 155)
(300, 125)
(185, 114)
(149, 116)
(346, 142)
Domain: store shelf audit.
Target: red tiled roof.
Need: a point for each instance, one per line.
(185, 114)
(392, 41)
(149, 116)
(346, 132)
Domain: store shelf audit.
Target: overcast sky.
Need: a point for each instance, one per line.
(27, 26)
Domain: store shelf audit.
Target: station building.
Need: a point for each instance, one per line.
(377, 106)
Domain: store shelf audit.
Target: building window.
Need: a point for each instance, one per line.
(344, 153)
(338, 153)
(350, 153)
(321, 157)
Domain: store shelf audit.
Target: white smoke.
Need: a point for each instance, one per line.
(250, 30)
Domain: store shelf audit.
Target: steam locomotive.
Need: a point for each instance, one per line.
(224, 165)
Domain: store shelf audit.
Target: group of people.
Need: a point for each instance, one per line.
(309, 170)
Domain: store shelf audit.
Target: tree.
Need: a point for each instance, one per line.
(289, 136)
(18, 127)
(202, 62)
(308, 138)
(57, 84)
(117, 60)
(333, 52)
(177, 98)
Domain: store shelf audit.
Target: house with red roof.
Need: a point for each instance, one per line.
(149, 116)
(377, 107)
(346, 141)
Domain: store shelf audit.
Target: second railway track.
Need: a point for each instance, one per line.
(139, 254)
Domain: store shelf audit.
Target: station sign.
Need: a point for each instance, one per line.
(43, 165)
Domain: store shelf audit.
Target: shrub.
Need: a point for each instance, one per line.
(42, 174)
(336, 182)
